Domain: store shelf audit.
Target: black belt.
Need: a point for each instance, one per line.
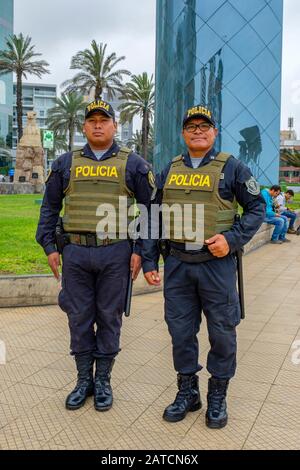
(90, 239)
(199, 256)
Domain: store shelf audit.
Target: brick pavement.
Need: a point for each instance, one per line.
(264, 405)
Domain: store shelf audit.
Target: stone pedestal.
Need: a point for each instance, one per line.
(30, 156)
(21, 188)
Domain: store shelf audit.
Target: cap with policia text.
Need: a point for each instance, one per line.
(199, 111)
(99, 106)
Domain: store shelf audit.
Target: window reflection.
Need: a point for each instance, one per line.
(251, 148)
(197, 63)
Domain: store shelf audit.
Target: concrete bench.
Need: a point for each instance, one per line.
(27, 291)
(261, 237)
(264, 235)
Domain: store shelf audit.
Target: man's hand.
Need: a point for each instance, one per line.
(218, 245)
(153, 278)
(54, 263)
(135, 265)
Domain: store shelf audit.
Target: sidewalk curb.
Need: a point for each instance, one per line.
(34, 290)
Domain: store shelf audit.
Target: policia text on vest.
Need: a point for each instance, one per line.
(111, 212)
(185, 187)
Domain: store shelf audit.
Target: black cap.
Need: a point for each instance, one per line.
(199, 111)
(99, 106)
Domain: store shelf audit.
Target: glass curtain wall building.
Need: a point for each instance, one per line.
(225, 54)
(6, 87)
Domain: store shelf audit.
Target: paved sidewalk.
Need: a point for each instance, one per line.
(264, 397)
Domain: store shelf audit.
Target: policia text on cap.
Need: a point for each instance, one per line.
(95, 271)
(203, 280)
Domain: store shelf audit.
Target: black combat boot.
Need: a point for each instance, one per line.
(216, 415)
(103, 397)
(187, 398)
(85, 383)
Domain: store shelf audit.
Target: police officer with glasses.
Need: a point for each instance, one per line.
(202, 278)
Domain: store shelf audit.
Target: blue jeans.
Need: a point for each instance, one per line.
(281, 226)
(290, 215)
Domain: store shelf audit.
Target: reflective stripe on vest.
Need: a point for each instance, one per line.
(185, 185)
(93, 183)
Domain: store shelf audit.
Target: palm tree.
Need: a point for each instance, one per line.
(138, 97)
(290, 157)
(18, 58)
(96, 72)
(60, 143)
(135, 143)
(67, 116)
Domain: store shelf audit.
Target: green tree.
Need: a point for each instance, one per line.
(138, 100)
(96, 72)
(5, 158)
(67, 117)
(19, 57)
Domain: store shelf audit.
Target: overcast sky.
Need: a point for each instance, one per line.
(60, 28)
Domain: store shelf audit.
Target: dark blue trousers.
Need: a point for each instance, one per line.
(190, 289)
(94, 284)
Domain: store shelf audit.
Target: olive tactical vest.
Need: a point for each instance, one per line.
(193, 186)
(93, 183)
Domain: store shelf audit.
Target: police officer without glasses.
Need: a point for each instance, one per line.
(95, 271)
(204, 280)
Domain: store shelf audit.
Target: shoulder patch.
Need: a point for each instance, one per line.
(252, 186)
(151, 179)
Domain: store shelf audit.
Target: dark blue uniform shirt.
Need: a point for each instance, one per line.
(137, 170)
(234, 184)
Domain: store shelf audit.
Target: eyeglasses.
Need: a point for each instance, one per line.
(204, 127)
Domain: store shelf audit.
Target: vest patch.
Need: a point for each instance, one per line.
(190, 180)
(88, 171)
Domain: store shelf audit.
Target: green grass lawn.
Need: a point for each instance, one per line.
(296, 202)
(19, 252)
